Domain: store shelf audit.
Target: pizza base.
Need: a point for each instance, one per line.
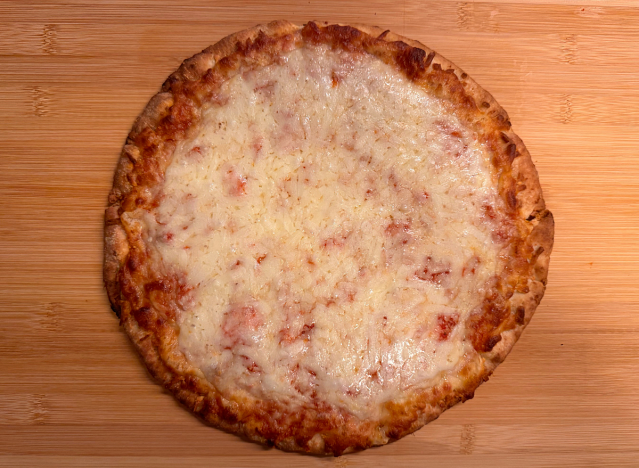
(246, 418)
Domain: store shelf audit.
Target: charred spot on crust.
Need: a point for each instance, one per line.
(482, 325)
(190, 383)
(511, 151)
(147, 141)
(429, 59)
(179, 119)
(343, 36)
(170, 82)
(116, 309)
(133, 263)
(226, 412)
(251, 46)
(445, 83)
(491, 342)
(502, 119)
(226, 63)
(312, 33)
(411, 60)
(145, 316)
(520, 315)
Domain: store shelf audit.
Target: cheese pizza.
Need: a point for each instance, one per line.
(320, 237)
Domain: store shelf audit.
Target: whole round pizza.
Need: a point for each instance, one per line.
(320, 237)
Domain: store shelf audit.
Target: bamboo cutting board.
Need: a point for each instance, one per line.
(74, 75)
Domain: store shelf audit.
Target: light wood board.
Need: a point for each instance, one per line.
(74, 75)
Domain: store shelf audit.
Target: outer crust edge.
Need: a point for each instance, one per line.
(116, 249)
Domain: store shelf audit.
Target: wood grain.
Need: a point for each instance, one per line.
(74, 75)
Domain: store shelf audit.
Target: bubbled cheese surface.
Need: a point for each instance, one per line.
(329, 219)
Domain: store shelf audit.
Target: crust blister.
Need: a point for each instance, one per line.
(189, 385)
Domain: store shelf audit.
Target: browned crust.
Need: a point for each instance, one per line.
(146, 154)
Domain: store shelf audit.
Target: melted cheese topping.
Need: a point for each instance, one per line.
(329, 216)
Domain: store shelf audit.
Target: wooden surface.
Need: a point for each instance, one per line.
(74, 75)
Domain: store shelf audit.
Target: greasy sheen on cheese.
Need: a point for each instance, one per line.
(330, 217)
